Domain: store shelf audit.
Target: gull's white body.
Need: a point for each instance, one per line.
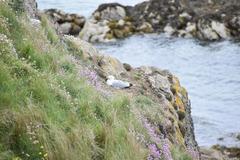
(111, 81)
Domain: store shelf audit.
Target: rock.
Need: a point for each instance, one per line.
(87, 50)
(160, 84)
(185, 15)
(184, 18)
(107, 23)
(65, 27)
(221, 29)
(107, 65)
(70, 24)
(75, 29)
(238, 137)
(212, 30)
(228, 152)
(169, 30)
(111, 11)
(121, 22)
(31, 7)
(221, 139)
(205, 31)
(128, 67)
(95, 32)
(145, 28)
(110, 66)
(190, 30)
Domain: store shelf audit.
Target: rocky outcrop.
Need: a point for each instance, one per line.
(220, 153)
(205, 20)
(161, 86)
(108, 22)
(28, 6)
(31, 7)
(70, 24)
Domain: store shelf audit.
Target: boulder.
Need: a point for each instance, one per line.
(112, 11)
(111, 66)
(205, 31)
(94, 31)
(65, 27)
(108, 22)
(169, 30)
(70, 24)
(220, 29)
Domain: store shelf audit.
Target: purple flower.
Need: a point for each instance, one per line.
(194, 154)
(91, 77)
(166, 150)
(155, 152)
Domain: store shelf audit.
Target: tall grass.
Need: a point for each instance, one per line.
(49, 115)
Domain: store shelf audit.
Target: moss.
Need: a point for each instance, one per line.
(179, 103)
(112, 25)
(109, 36)
(128, 19)
(181, 115)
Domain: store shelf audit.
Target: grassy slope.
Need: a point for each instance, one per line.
(45, 114)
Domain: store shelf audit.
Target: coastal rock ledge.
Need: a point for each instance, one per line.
(203, 19)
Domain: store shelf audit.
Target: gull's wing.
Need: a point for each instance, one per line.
(120, 84)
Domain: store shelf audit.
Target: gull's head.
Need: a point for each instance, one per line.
(111, 77)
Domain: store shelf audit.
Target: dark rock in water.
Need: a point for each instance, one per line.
(221, 139)
(70, 24)
(238, 137)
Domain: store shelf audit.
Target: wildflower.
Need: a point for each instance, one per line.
(35, 142)
(158, 139)
(41, 147)
(166, 151)
(194, 154)
(154, 151)
(45, 155)
(91, 77)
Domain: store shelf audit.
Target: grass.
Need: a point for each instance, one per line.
(180, 154)
(47, 115)
(49, 112)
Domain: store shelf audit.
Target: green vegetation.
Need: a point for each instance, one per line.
(47, 111)
(179, 154)
(49, 115)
